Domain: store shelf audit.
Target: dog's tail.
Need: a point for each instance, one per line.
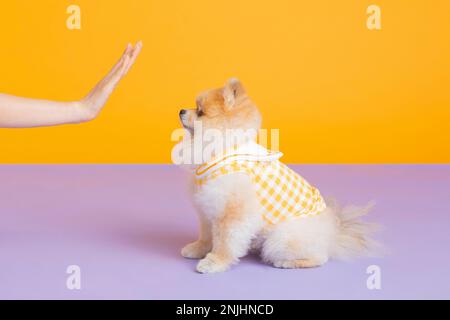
(353, 236)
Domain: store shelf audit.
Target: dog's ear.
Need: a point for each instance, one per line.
(232, 91)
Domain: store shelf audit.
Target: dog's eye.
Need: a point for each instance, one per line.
(200, 113)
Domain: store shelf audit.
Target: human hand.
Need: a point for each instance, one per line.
(94, 102)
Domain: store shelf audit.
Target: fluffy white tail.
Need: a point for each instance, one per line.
(354, 236)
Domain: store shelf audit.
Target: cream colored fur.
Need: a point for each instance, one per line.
(230, 214)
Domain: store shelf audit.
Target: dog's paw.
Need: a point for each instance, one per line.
(196, 250)
(212, 264)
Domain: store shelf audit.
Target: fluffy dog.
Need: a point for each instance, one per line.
(247, 200)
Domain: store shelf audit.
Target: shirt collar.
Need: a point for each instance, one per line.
(250, 151)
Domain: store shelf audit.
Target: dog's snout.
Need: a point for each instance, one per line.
(182, 112)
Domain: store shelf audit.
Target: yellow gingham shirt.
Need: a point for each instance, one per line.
(282, 192)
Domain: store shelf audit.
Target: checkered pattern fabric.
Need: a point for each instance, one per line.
(282, 192)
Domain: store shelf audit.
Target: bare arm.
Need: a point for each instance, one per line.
(17, 112)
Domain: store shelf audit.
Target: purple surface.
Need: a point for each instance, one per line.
(125, 225)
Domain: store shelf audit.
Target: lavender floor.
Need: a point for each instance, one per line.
(124, 226)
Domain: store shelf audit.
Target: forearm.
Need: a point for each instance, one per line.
(17, 112)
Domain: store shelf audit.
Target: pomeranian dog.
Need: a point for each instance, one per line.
(247, 200)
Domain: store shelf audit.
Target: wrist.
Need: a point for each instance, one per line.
(84, 112)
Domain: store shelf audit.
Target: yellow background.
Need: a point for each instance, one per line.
(338, 92)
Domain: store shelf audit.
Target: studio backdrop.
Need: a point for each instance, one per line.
(338, 89)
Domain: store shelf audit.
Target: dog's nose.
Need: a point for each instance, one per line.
(182, 112)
